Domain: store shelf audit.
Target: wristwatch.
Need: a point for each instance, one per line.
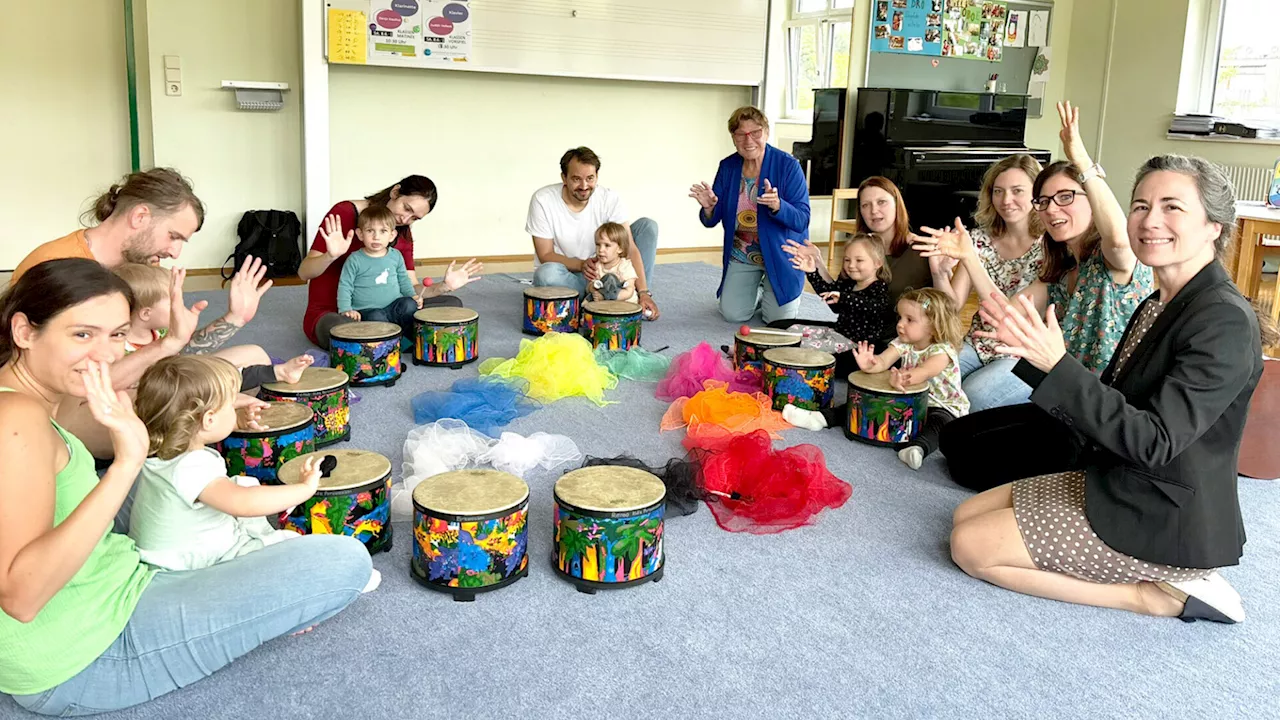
(1093, 172)
(646, 291)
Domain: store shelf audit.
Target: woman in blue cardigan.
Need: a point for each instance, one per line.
(766, 201)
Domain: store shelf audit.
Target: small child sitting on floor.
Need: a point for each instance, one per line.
(150, 322)
(187, 513)
(859, 297)
(375, 285)
(929, 332)
(617, 279)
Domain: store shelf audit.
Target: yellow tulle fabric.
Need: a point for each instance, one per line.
(734, 411)
(555, 366)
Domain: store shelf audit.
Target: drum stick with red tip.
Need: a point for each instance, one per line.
(745, 330)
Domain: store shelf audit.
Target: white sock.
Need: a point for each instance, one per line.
(912, 455)
(375, 579)
(807, 419)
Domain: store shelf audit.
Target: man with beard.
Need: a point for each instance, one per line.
(147, 217)
(563, 219)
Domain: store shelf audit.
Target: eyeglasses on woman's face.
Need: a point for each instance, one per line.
(742, 135)
(1062, 198)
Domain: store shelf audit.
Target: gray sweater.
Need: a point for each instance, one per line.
(372, 283)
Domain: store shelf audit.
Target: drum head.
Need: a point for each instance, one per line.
(550, 292)
(767, 339)
(354, 468)
(610, 488)
(879, 382)
(445, 315)
(799, 357)
(362, 331)
(280, 418)
(470, 492)
(314, 379)
(611, 307)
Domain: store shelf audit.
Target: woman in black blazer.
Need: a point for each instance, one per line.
(1143, 508)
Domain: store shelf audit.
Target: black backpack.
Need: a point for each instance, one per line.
(274, 236)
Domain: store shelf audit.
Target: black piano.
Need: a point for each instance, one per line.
(935, 145)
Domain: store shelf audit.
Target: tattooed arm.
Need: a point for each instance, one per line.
(210, 338)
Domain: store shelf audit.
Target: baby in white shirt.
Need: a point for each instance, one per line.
(617, 279)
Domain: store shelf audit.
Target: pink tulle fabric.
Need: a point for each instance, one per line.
(690, 370)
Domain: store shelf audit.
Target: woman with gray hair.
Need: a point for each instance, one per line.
(1143, 510)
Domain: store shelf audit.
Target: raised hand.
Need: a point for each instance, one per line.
(865, 355)
(956, 244)
(1072, 143)
(831, 298)
(769, 196)
(942, 265)
(898, 379)
(456, 277)
(802, 261)
(335, 243)
(793, 248)
(703, 194)
(246, 291)
(114, 411)
(310, 473)
(1021, 333)
(183, 320)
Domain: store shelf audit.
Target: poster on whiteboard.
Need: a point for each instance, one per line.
(394, 29)
(446, 30)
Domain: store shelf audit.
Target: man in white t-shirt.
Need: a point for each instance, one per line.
(563, 219)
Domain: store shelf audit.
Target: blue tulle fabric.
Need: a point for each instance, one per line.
(484, 404)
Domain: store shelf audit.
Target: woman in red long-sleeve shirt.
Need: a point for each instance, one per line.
(409, 200)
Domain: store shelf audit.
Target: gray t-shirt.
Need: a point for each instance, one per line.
(372, 283)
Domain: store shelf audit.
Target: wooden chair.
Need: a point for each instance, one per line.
(840, 225)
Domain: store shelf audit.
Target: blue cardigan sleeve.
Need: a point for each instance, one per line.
(793, 197)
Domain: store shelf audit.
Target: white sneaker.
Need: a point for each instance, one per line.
(1210, 598)
(912, 455)
(801, 418)
(375, 579)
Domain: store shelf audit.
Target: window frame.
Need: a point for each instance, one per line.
(1202, 58)
(824, 22)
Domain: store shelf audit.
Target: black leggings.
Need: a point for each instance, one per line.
(329, 321)
(993, 447)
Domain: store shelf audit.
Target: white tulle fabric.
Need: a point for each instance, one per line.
(449, 444)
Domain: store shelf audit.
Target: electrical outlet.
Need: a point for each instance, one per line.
(173, 89)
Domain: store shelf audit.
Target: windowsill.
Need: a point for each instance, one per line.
(795, 121)
(1222, 139)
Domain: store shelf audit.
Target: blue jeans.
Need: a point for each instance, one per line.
(992, 385)
(189, 624)
(747, 289)
(645, 233)
(399, 312)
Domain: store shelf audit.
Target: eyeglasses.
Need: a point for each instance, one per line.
(1061, 199)
(754, 135)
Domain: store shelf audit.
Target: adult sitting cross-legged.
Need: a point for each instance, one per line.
(1142, 508)
(147, 217)
(563, 220)
(409, 200)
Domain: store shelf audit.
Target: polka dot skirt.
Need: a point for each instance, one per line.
(1050, 514)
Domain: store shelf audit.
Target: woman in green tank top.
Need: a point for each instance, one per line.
(67, 581)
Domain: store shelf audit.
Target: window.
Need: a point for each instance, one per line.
(817, 41)
(1239, 61)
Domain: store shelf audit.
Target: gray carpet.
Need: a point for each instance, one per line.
(861, 615)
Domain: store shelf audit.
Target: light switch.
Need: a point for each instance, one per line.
(172, 62)
(173, 88)
(172, 75)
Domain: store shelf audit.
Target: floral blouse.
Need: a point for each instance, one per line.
(944, 388)
(1093, 319)
(1009, 276)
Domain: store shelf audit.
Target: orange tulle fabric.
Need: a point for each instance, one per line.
(734, 412)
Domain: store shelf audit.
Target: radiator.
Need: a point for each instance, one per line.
(1251, 183)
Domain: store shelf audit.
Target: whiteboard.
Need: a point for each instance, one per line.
(719, 42)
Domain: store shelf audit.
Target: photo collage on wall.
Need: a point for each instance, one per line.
(974, 29)
(907, 26)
